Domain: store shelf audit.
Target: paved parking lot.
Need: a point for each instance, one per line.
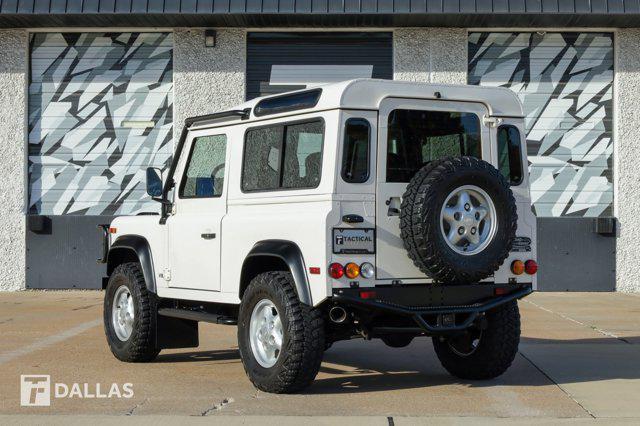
(579, 360)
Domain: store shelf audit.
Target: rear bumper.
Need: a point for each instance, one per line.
(435, 309)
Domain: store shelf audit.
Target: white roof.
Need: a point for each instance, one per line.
(369, 93)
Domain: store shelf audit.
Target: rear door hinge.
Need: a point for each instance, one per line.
(491, 121)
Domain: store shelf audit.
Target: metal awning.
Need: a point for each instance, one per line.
(319, 13)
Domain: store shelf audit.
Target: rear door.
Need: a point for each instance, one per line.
(411, 133)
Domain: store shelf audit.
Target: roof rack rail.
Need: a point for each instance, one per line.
(242, 113)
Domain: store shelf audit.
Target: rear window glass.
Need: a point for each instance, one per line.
(262, 150)
(285, 103)
(417, 137)
(355, 157)
(283, 156)
(510, 154)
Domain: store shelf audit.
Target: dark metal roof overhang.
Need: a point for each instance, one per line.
(319, 13)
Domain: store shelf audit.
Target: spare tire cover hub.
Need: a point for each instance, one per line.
(468, 220)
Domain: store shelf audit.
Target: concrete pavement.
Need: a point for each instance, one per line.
(579, 361)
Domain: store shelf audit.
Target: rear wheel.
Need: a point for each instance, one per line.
(281, 339)
(130, 315)
(479, 354)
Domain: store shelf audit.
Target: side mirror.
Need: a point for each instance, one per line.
(154, 182)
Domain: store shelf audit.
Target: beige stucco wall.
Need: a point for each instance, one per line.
(207, 79)
(13, 87)
(435, 55)
(627, 154)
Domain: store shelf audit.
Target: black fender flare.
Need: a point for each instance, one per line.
(139, 246)
(291, 255)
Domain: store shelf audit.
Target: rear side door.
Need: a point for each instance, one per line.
(411, 133)
(201, 203)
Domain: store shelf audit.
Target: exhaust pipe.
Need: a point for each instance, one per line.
(337, 314)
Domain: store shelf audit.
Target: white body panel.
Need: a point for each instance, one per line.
(210, 269)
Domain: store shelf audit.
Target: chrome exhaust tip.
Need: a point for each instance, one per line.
(337, 314)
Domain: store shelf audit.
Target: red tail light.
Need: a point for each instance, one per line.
(530, 267)
(336, 270)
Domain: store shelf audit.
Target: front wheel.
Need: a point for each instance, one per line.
(129, 315)
(281, 340)
(482, 353)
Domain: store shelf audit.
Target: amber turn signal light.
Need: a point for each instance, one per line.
(517, 267)
(352, 270)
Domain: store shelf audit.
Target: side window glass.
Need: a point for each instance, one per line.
(355, 156)
(417, 137)
(204, 174)
(284, 156)
(510, 154)
(262, 148)
(303, 155)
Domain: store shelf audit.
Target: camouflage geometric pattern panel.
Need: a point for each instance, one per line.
(565, 81)
(100, 113)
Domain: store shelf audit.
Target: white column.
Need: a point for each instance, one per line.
(13, 161)
(207, 79)
(435, 55)
(627, 158)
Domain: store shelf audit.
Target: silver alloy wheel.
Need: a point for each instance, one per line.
(265, 333)
(468, 220)
(122, 313)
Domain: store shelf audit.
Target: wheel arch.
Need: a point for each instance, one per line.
(133, 248)
(270, 255)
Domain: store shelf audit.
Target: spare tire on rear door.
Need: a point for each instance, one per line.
(458, 219)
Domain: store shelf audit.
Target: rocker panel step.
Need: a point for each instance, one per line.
(195, 315)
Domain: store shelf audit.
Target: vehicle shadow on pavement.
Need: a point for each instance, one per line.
(540, 362)
(360, 367)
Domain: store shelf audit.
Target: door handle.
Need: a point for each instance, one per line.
(208, 236)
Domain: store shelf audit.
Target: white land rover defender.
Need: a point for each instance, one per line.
(367, 208)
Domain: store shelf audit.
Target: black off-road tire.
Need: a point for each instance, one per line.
(420, 220)
(496, 350)
(303, 335)
(140, 346)
(397, 340)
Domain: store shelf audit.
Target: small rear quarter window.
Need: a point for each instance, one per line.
(510, 154)
(355, 157)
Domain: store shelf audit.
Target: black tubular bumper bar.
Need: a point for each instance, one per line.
(471, 311)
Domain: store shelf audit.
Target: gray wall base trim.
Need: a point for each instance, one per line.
(573, 257)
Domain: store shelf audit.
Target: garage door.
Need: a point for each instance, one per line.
(278, 62)
(565, 81)
(100, 112)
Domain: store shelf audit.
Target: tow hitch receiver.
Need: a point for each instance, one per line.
(447, 320)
